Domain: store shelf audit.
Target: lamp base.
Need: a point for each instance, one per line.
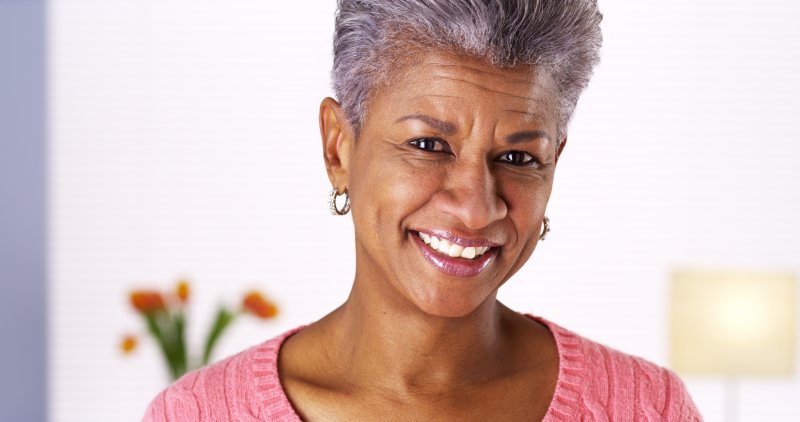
(731, 397)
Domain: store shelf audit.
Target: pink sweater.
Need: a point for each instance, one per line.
(595, 383)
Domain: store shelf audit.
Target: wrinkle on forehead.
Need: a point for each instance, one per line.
(524, 90)
(463, 67)
(416, 97)
(486, 88)
(524, 82)
(531, 77)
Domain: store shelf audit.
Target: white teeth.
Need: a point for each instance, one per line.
(444, 247)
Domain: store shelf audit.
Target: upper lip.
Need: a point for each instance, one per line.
(460, 240)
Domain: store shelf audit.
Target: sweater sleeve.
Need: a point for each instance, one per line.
(175, 404)
(680, 406)
(224, 391)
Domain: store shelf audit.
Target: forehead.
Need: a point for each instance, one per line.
(445, 79)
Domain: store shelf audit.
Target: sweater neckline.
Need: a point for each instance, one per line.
(275, 405)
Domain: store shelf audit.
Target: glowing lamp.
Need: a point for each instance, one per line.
(733, 323)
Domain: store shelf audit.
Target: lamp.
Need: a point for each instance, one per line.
(733, 324)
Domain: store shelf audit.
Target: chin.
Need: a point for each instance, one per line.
(447, 306)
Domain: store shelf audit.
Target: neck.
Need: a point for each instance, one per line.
(408, 351)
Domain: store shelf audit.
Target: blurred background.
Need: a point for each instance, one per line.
(147, 141)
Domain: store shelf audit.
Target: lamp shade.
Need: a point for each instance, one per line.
(733, 323)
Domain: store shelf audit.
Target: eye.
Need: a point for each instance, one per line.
(429, 144)
(517, 158)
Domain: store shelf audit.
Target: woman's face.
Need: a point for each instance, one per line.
(449, 180)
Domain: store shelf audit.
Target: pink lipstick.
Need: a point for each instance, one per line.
(457, 266)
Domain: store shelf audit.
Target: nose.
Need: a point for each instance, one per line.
(470, 194)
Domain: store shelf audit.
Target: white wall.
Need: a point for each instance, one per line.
(184, 142)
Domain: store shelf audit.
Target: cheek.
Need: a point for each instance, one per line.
(528, 198)
(526, 207)
(526, 211)
(392, 191)
(406, 186)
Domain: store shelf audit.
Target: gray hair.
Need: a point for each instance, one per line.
(560, 36)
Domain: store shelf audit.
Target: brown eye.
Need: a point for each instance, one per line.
(517, 158)
(428, 144)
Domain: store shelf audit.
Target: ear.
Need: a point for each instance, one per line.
(561, 146)
(337, 143)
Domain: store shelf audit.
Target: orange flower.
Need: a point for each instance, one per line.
(182, 291)
(147, 301)
(128, 344)
(255, 303)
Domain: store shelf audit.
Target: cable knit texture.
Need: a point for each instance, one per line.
(595, 383)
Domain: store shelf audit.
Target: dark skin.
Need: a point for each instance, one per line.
(454, 144)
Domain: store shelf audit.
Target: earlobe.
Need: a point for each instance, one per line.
(336, 142)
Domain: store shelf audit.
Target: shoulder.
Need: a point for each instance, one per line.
(599, 380)
(240, 387)
(212, 390)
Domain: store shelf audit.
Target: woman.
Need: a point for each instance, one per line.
(452, 115)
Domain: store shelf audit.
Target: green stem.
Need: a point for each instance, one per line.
(180, 344)
(155, 326)
(221, 322)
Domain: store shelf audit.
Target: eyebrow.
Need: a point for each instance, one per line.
(528, 135)
(441, 126)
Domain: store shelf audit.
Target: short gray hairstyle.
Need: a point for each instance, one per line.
(560, 36)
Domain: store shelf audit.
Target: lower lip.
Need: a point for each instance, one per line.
(459, 267)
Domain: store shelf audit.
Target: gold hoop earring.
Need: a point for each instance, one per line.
(332, 202)
(545, 228)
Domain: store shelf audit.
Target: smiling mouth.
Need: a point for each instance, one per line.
(461, 259)
(452, 249)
